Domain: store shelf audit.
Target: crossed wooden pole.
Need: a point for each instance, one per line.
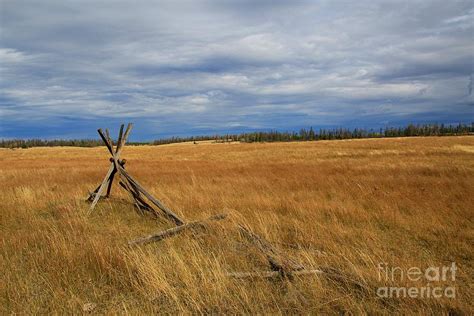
(115, 160)
(280, 264)
(143, 200)
(136, 191)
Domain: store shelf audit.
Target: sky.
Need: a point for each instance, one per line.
(205, 67)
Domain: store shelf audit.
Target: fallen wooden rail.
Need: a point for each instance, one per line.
(329, 275)
(176, 230)
(271, 274)
(277, 260)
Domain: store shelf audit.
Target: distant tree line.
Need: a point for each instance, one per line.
(28, 143)
(329, 134)
(270, 136)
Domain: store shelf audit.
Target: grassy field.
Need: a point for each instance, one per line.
(348, 205)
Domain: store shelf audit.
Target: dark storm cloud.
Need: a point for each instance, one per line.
(203, 66)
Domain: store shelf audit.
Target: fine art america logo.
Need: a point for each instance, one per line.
(436, 282)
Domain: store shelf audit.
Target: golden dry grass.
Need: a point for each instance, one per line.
(343, 204)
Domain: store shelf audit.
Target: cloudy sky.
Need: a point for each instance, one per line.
(201, 67)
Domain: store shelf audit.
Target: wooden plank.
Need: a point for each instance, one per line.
(109, 187)
(109, 183)
(272, 274)
(328, 273)
(111, 180)
(102, 187)
(119, 140)
(176, 230)
(93, 193)
(104, 138)
(115, 154)
(169, 213)
(139, 202)
(107, 134)
(277, 260)
(124, 139)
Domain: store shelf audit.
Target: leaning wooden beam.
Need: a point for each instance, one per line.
(271, 274)
(165, 210)
(115, 154)
(123, 139)
(109, 184)
(93, 193)
(276, 259)
(144, 204)
(102, 187)
(135, 201)
(106, 141)
(119, 140)
(141, 204)
(111, 180)
(176, 230)
(144, 207)
(108, 137)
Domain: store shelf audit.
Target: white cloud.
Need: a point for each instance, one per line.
(166, 59)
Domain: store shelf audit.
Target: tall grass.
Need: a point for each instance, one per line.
(349, 205)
